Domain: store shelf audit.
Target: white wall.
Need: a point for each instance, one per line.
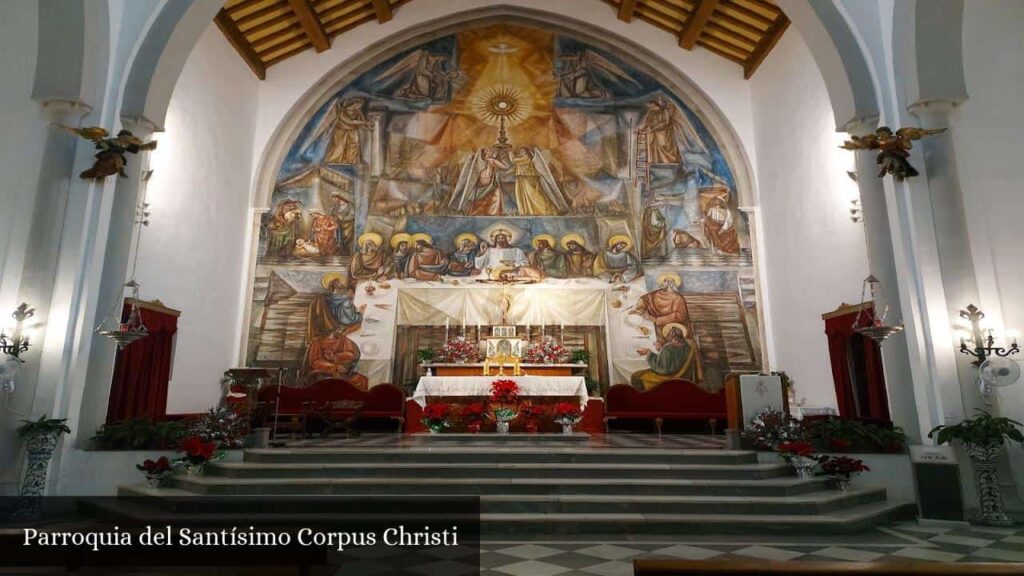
(814, 257)
(192, 253)
(987, 133)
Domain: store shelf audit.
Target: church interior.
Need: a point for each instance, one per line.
(651, 286)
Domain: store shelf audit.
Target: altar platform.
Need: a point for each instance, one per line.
(477, 369)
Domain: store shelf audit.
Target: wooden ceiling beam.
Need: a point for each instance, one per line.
(771, 38)
(696, 23)
(626, 9)
(383, 10)
(229, 28)
(310, 24)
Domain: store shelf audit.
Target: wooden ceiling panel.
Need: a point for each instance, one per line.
(266, 32)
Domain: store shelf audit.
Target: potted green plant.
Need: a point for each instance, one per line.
(40, 438)
(983, 437)
(426, 356)
(579, 356)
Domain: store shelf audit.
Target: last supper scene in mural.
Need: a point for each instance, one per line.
(505, 175)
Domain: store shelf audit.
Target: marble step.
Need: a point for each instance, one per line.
(785, 518)
(819, 502)
(506, 454)
(639, 526)
(460, 439)
(811, 503)
(399, 485)
(521, 470)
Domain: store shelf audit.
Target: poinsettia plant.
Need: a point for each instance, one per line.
(473, 412)
(155, 467)
(460, 350)
(842, 467)
(198, 451)
(504, 392)
(771, 427)
(567, 413)
(795, 449)
(435, 416)
(547, 351)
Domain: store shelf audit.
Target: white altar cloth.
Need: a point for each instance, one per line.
(481, 386)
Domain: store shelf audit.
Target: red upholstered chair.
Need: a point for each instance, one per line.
(673, 399)
(380, 401)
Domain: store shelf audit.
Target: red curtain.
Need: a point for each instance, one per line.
(841, 338)
(143, 369)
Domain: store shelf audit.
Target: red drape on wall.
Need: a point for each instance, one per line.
(143, 370)
(839, 330)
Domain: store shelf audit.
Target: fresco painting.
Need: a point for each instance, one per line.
(506, 150)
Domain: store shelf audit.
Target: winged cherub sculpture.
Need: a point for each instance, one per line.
(110, 156)
(893, 148)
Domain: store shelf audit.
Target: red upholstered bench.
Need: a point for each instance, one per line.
(380, 401)
(672, 399)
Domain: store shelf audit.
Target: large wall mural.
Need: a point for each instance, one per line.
(505, 151)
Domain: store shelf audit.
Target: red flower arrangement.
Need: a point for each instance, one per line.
(473, 414)
(435, 416)
(531, 414)
(547, 351)
(842, 467)
(567, 413)
(197, 451)
(504, 392)
(460, 350)
(155, 468)
(795, 449)
(839, 444)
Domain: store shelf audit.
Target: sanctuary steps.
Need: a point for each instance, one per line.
(566, 491)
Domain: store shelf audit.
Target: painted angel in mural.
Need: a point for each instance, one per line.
(536, 192)
(666, 136)
(478, 191)
(345, 122)
(333, 315)
(422, 75)
(581, 75)
(893, 148)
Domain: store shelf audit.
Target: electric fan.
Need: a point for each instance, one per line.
(996, 373)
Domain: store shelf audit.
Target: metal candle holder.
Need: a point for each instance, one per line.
(983, 340)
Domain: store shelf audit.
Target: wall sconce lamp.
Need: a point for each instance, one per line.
(18, 342)
(981, 343)
(12, 348)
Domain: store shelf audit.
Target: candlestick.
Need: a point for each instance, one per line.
(446, 320)
(561, 332)
(527, 331)
(477, 332)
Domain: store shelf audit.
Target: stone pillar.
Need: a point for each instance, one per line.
(878, 225)
(959, 281)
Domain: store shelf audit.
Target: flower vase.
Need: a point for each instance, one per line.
(841, 484)
(567, 429)
(502, 427)
(531, 427)
(194, 469)
(984, 458)
(38, 451)
(804, 467)
(473, 428)
(155, 480)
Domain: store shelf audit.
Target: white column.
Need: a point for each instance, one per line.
(878, 225)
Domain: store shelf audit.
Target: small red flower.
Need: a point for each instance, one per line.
(799, 448)
(473, 412)
(195, 449)
(504, 391)
(436, 411)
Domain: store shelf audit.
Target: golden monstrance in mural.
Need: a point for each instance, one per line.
(510, 152)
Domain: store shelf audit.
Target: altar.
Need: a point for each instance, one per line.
(530, 386)
(477, 369)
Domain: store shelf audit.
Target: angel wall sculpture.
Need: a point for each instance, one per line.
(110, 158)
(893, 148)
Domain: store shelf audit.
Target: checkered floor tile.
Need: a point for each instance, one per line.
(903, 542)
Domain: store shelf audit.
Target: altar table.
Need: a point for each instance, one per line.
(477, 369)
(481, 386)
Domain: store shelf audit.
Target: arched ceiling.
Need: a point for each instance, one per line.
(266, 32)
